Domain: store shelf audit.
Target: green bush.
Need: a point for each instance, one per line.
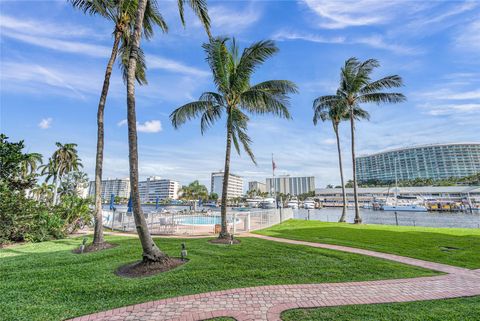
(24, 219)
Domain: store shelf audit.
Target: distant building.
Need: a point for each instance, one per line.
(257, 186)
(235, 185)
(119, 187)
(438, 161)
(291, 185)
(155, 187)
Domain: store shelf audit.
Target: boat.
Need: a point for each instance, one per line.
(309, 204)
(267, 203)
(405, 208)
(254, 202)
(293, 203)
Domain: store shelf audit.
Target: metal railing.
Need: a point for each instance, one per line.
(195, 223)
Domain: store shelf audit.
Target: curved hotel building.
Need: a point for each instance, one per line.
(436, 161)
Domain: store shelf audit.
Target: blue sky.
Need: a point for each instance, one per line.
(53, 60)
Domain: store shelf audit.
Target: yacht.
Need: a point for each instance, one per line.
(254, 202)
(293, 204)
(404, 208)
(309, 204)
(268, 202)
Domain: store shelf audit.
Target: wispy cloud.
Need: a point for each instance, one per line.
(156, 62)
(468, 38)
(228, 19)
(149, 126)
(45, 123)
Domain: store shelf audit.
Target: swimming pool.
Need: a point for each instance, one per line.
(200, 220)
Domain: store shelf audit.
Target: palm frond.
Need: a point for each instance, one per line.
(213, 113)
(124, 56)
(200, 9)
(188, 111)
(93, 7)
(217, 59)
(379, 98)
(151, 18)
(261, 102)
(384, 83)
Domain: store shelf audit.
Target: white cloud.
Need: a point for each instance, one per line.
(468, 38)
(287, 35)
(329, 141)
(156, 62)
(227, 19)
(352, 13)
(45, 123)
(149, 126)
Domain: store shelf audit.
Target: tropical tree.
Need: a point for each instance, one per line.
(334, 109)
(232, 75)
(64, 160)
(194, 192)
(151, 253)
(357, 87)
(43, 192)
(122, 14)
(31, 163)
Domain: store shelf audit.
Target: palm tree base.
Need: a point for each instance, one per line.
(357, 220)
(225, 239)
(95, 247)
(147, 267)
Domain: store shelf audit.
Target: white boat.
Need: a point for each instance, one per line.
(268, 202)
(254, 202)
(405, 208)
(309, 204)
(293, 204)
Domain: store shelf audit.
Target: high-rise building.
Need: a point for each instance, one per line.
(257, 186)
(291, 185)
(155, 187)
(119, 187)
(235, 185)
(437, 161)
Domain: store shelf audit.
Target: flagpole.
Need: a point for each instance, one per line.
(274, 183)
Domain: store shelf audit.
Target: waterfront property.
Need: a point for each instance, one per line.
(235, 184)
(257, 186)
(333, 196)
(287, 184)
(118, 186)
(435, 161)
(155, 187)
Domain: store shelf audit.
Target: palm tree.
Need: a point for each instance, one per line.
(356, 87)
(232, 75)
(194, 192)
(64, 160)
(31, 163)
(43, 192)
(122, 14)
(334, 109)
(151, 253)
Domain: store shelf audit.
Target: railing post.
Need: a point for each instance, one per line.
(234, 221)
(247, 221)
(113, 218)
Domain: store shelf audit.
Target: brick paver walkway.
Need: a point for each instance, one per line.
(267, 302)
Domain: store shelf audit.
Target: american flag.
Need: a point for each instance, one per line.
(274, 166)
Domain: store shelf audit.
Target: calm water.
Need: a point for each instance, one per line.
(433, 219)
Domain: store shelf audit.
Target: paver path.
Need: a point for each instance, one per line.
(267, 302)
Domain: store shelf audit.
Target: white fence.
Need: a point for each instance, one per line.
(189, 223)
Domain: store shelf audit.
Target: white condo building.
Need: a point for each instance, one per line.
(291, 185)
(235, 185)
(257, 186)
(155, 187)
(119, 187)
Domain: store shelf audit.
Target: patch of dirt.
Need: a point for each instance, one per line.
(94, 248)
(143, 269)
(227, 241)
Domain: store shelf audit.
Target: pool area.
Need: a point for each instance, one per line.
(200, 220)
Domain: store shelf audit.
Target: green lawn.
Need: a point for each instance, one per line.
(45, 281)
(454, 246)
(461, 309)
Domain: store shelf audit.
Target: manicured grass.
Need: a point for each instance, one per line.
(461, 309)
(453, 246)
(45, 281)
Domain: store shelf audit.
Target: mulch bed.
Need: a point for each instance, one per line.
(143, 269)
(94, 248)
(227, 241)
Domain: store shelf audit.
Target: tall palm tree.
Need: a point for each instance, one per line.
(333, 108)
(357, 87)
(151, 253)
(122, 14)
(64, 160)
(193, 192)
(31, 163)
(232, 75)
(43, 192)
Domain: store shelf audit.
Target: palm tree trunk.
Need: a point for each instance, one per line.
(226, 173)
(55, 188)
(344, 197)
(358, 219)
(98, 232)
(151, 253)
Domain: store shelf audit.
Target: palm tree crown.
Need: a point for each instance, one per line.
(236, 96)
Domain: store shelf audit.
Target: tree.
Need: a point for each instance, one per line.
(232, 75)
(335, 109)
(151, 253)
(213, 197)
(43, 192)
(72, 183)
(31, 163)
(356, 87)
(122, 14)
(64, 160)
(194, 192)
